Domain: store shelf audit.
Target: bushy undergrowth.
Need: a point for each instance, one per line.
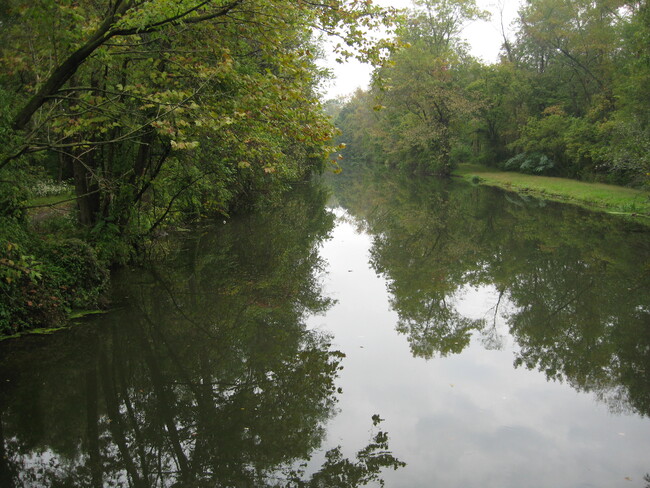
(43, 279)
(530, 163)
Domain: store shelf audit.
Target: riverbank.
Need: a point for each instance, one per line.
(627, 202)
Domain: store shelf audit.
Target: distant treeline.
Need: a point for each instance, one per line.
(569, 97)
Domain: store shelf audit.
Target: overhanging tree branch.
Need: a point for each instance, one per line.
(103, 33)
(68, 67)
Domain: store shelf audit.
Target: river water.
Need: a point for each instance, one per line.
(417, 332)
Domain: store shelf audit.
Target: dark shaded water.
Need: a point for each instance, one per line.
(502, 340)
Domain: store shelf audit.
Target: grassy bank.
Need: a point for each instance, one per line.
(596, 196)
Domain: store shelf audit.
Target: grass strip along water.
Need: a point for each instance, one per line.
(628, 202)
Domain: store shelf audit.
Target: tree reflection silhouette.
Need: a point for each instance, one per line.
(576, 283)
(207, 376)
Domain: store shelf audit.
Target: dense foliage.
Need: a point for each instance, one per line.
(162, 111)
(570, 96)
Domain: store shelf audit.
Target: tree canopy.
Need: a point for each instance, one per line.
(569, 96)
(159, 101)
(158, 112)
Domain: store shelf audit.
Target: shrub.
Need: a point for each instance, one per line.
(74, 267)
(12, 201)
(530, 163)
(41, 281)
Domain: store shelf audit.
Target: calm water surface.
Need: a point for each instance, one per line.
(430, 334)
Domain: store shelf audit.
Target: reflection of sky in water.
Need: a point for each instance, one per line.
(469, 419)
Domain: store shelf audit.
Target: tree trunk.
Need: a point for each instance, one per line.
(87, 190)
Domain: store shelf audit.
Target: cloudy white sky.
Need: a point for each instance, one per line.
(484, 38)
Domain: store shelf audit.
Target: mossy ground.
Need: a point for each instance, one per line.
(51, 200)
(613, 199)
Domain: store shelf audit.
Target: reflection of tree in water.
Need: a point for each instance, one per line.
(436, 328)
(424, 257)
(576, 283)
(207, 377)
(491, 338)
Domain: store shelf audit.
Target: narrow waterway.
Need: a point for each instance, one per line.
(422, 332)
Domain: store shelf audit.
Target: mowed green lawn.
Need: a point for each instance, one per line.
(610, 198)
